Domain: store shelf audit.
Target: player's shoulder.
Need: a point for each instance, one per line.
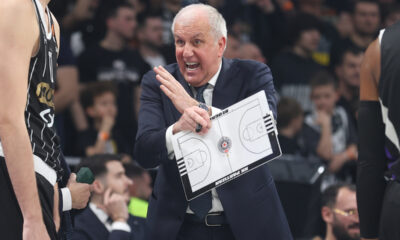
(16, 8)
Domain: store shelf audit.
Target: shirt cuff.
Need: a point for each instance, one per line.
(168, 139)
(67, 199)
(123, 226)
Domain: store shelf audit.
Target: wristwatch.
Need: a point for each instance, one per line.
(204, 106)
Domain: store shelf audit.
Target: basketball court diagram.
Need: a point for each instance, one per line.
(239, 138)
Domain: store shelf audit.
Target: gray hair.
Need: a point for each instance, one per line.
(216, 20)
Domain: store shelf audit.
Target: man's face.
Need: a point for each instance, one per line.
(366, 18)
(144, 186)
(324, 98)
(346, 227)
(153, 31)
(124, 23)
(197, 50)
(116, 179)
(309, 40)
(349, 70)
(232, 48)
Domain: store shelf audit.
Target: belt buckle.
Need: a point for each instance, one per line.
(212, 225)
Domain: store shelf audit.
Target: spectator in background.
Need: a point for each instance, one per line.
(151, 47)
(347, 71)
(339, 212)
(232, 47)
(290, 122)
(329, 34)
(265, 23)
(139, 191)
(110, 60)
(69, 113)
(98, 100)
(366, 22)
(392, 16)
(252, 52)
(107, 217)
(328, 132)
(292, 69)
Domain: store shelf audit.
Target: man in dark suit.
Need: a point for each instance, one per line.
(243, 209)
(107, 215)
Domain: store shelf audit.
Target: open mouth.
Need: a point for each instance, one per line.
(192, 66)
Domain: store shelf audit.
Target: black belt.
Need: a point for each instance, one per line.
(215, 219)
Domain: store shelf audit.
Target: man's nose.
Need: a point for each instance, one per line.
(187, 51)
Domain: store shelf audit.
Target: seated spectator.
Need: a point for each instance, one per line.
(328, 132)
(107, 216)
(111, 60)
(150, 35)
(339, 212)
(347, 71)
(290, 122)
(139, 191)
(293, 69)
(366, 22)
(252, 52)
(232, 47)
(98, 101)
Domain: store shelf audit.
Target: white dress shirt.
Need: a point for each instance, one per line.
(207, 94)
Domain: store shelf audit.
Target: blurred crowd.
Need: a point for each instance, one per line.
(314, 49)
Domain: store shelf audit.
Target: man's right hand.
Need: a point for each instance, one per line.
(116, 206)
(190, 118)
(80, 192)
(34, 230)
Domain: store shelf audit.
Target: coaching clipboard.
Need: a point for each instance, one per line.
(242, 138)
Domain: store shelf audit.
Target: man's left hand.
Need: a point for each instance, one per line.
(174, 90)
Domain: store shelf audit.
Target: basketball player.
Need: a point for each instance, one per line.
(379, 130)
(30, 154)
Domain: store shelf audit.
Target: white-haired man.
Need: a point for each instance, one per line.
(245, 208)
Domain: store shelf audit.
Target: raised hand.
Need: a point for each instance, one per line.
(174, 90)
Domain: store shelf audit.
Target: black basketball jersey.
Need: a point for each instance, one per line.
(389, 87)
(39, 111)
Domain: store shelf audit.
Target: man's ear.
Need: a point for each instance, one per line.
(221, 46)
(98, 187)
(327, 214)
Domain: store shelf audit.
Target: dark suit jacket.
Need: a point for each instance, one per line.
(250, 202)
(89, 227)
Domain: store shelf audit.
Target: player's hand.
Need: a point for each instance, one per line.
(116, 206)
(190, 118)
(34, 230)
(80, 192)
(174, 90)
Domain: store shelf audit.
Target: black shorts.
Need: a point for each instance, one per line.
(11, 220)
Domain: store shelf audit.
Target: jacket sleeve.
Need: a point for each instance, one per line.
(150, 147)
(263, 80)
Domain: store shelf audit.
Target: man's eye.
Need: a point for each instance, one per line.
(197, 41)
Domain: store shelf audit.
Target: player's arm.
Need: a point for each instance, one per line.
(371, 162)
(18, 38)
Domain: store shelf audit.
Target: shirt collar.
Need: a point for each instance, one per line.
(100, 214)
(213, 80)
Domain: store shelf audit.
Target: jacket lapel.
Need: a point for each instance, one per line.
(227, 85)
